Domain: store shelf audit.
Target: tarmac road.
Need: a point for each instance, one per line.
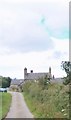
(18, 107)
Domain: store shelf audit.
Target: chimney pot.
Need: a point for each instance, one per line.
(31, 71)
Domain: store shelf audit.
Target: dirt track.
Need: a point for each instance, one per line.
(18, 107)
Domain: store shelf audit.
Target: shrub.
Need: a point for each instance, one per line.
(47, 101)
(66, 81)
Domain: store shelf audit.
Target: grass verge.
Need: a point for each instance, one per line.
(5, 103)
(0, 105)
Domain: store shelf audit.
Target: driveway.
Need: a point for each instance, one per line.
(18, 107)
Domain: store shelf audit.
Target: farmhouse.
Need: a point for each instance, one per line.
(30, 76)
(16, 84)
(36, 76)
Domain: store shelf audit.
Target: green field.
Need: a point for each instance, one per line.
(5, 102)
(49, 101)
(0, 105)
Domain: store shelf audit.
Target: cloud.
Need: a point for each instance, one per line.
(31, 35)
(56, 23)
(38, 61)
(21, 29)
(42, 1)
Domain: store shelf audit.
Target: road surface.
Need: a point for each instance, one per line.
(18, 107)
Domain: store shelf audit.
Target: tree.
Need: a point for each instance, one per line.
(66, 65)
(5, 82)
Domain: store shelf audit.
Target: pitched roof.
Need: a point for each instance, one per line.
(16, 81)
(31, 76)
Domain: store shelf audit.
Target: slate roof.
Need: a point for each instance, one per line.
(16, 81)
(35, 76)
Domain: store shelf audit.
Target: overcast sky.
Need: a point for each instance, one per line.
(33, 35)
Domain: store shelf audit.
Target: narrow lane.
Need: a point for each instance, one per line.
(18, 107)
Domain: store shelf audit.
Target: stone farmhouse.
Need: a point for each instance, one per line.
(36, 76)
(16, 83)
(30, 76)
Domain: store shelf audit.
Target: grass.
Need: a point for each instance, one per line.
(50, 102)
(0, 105)
(5, 104)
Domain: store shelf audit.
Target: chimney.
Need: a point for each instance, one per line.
(25, 72)
(50, 72)
(31, 71)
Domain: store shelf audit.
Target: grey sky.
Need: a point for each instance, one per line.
(21, 28)
(30, 28)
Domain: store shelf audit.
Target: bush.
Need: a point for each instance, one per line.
(46, 100)
(66, 81)
(44, 83)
